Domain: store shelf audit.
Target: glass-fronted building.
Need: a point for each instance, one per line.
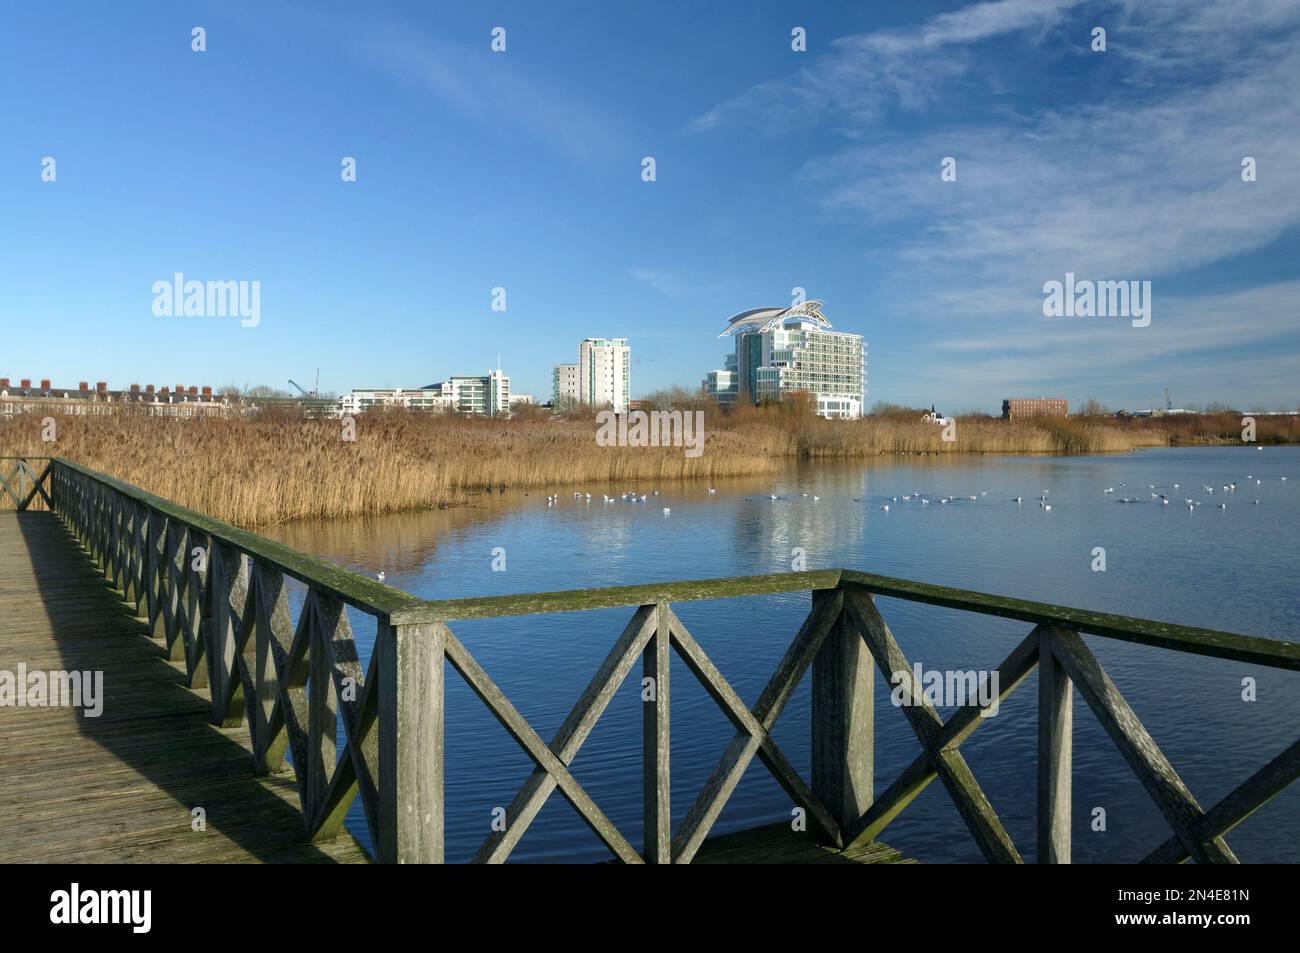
(779, 351)
(487, 396)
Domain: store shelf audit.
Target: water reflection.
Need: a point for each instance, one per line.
(1232, 569)
(398, 542)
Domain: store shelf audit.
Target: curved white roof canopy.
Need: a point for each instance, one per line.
(765, 319)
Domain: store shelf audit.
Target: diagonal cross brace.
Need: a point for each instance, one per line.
(572, 733)
(753, 727)
(37, 486)
(1139, 749)
(1015, 668)
(968, 797)
(1244, 801)
(528, 739)
(4, 481)
(357, 702)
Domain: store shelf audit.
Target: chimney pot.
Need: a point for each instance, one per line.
(45, 383)
(26, 382)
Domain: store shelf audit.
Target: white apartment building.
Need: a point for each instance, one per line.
(361, 400)
(605, 373)
(564, 386)
(783, 350)
(723, 383)
(486, 396)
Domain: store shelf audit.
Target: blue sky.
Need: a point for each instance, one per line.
(775, 170)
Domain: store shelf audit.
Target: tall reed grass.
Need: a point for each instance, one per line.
(259, 471)
(268, 469)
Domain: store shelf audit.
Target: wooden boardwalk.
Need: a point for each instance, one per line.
(208, 604)
(777, 844)
(121, 787)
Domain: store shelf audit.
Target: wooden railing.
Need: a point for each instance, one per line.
(217, 597)
(23, 480)
(292, 681)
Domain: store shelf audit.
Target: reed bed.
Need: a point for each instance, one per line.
(870, 437)
(1219, 428)
(269, 469)
(259, 471)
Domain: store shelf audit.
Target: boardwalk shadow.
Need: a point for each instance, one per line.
(123, 786)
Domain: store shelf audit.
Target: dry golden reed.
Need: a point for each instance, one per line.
(268, 469)
(258, 471)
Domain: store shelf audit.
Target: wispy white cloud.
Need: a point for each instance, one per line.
(480, 85)
(1138, 180)
(1202, 345)
(1182, 324)
(488, 88)
(979, 21)
(661, 281)
(1105, 189)
(866, 73)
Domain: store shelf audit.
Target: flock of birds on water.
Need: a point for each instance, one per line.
(631, 496)
(1208, 489)
(1191, 503)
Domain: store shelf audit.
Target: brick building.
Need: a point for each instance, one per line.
(1016, 408)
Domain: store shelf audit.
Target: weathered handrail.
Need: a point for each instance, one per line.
(356, 590)
(1184, 638)
(216, 596)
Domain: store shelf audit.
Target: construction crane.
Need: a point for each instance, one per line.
(1169, 404)
(306, 393)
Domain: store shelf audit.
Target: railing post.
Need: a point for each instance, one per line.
(55, 508)
(174, 598)
(198, 594)
(654, 743)
(154, 558)
(843, 682)
(1055, 720)
(411, 675)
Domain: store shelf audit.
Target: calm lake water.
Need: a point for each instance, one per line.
(1233, 569)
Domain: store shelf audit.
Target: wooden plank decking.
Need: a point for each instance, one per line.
(120, 787)
(777, 844)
